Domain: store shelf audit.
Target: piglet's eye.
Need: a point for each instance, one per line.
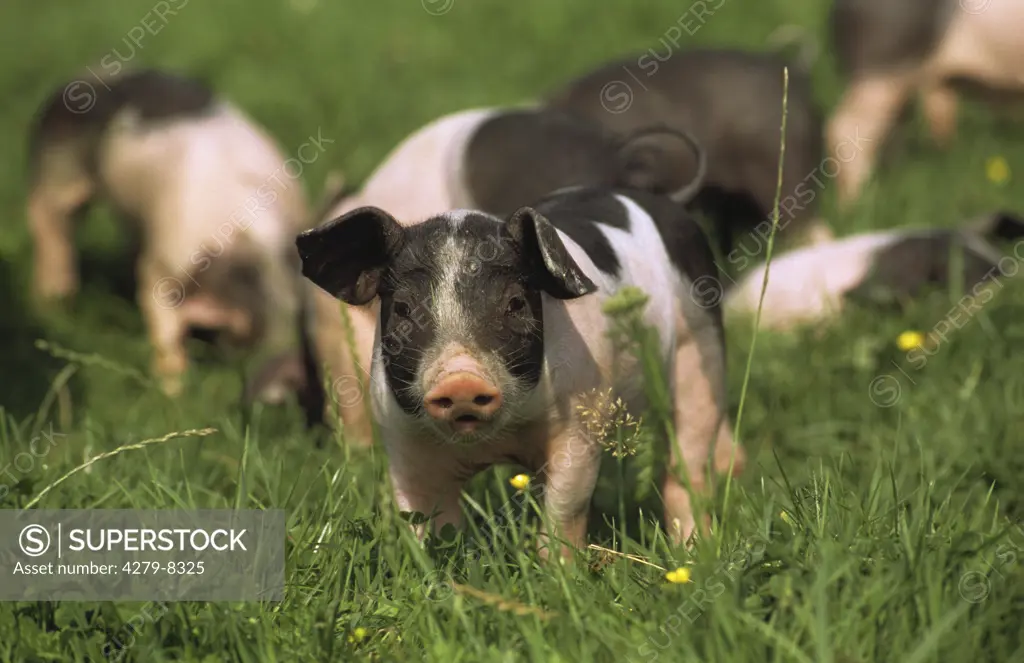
(402, 309)
(516, 305)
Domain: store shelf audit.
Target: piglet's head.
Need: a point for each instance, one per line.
(461, 317)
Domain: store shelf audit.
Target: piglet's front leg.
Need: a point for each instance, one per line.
(571, 470)
(160, 298)
(427, 480)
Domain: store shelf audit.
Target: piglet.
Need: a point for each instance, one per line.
(881, 269)
(731, 101)
(206, 190)
(490, 335)
(891, 51)
(489, 159)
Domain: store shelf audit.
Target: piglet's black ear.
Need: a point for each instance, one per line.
(546, 256)
(347, 256)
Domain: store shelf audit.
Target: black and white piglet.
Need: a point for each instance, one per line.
(891, 52)
(814, 285)
(490, 159)
(491, 333)
(198, 182)
(731, 101)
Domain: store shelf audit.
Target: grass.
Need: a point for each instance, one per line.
(879, 516)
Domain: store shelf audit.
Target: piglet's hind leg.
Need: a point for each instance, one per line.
(940, 111)
(700, 421)
(52, 207)
(867, 112)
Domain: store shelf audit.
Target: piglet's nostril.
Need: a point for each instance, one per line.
(483, 399)
(443, 403)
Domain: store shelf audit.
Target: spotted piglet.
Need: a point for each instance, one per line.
(892, 51)
(198, 183)
(490, 159)
(491, 333)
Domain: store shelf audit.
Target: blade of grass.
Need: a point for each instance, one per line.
(930, 642)
(110, 454)
(243, 472)
(773, 635)
(764, 288)
(52, 394)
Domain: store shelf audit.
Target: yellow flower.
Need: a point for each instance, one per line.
(520, 481)
(358, 635)
(909, 340)
(997, 170)
(679, 576)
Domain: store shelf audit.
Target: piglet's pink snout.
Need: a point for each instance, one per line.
(463, 399)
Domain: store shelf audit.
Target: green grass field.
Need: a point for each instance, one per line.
(879, 517)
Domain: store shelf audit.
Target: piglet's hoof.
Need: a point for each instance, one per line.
(552, 551)
(172, 386)
(54, 288)
(52, 302)
(170, 375)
